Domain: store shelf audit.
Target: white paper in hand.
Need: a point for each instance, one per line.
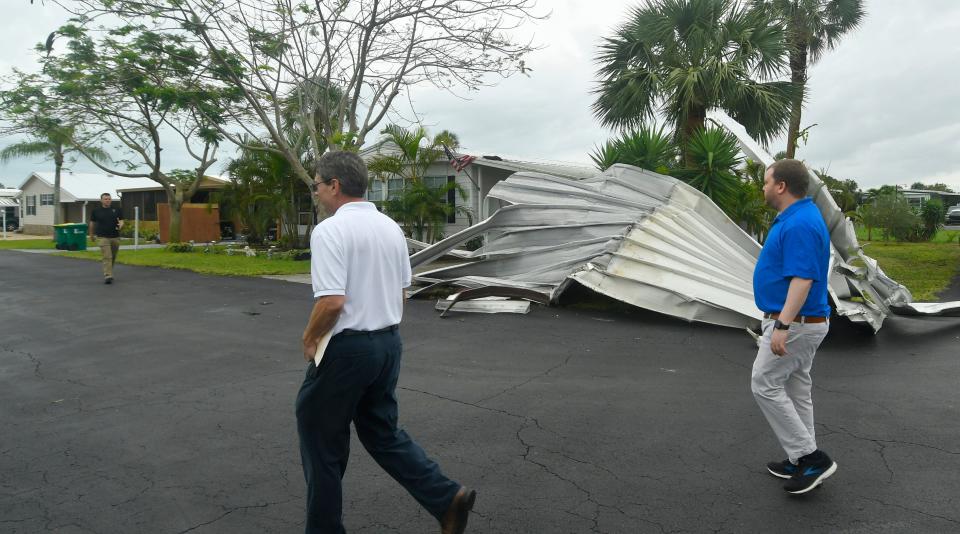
(321, 348)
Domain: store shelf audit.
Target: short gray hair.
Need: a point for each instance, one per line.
(347, 167)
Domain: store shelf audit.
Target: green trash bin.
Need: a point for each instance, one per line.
(71, 236)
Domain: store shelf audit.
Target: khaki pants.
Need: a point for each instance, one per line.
(109, 247)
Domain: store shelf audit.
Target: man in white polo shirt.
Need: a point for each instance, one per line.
(359, 268)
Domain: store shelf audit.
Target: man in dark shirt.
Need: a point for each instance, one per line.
(105, 224)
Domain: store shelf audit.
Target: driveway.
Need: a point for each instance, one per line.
(164, 403)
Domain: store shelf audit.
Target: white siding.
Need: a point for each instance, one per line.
(44, 216)
(443, 168)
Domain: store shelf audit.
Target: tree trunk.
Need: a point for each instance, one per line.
(58, 166)
(696, 118)
(176, 206)
(798, 75)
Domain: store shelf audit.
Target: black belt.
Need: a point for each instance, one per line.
(802, 319)
(349, 332)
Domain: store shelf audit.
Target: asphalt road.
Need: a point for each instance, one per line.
(164, 403)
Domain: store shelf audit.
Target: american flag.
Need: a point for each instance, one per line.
(458, 163)
(461, 163)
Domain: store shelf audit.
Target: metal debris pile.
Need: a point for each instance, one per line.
(645, 239)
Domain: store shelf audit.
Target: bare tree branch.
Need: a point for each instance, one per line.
(342, 64)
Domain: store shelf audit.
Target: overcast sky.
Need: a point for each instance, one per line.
(884, 102)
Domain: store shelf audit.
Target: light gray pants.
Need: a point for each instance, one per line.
(782, 386)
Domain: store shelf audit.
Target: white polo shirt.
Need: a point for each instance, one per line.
(362, 254)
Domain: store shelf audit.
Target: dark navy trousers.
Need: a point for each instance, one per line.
(357, 381)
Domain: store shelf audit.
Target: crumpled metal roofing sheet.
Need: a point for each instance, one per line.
(637, 236)
(651, 241)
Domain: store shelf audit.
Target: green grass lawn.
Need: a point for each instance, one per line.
(25, 243)
(44, 243)
(220, 264)
(925, 268)
(943, 236)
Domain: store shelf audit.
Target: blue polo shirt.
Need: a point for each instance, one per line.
(798, 245)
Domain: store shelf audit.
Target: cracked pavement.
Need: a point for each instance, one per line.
(164, 403)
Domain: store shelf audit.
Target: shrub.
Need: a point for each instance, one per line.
(149, 230)
(293, 255)
(933, 213)
(287, 242)
(474, 243)
(897, 218)
(902, 223)
(214, 248)
(179, 247)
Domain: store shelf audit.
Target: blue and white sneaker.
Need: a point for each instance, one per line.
(783, 469)
(812, 470)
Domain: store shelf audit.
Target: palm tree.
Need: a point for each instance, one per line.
(415, 152)
(751, 212)
(713, 156)
(420, 209)
(812, 28)
(646, 148)
(263, 188)
(750, 208)
(51, 140)
(753, 172)
(681, 58)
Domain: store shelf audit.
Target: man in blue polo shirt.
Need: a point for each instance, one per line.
(790, 288)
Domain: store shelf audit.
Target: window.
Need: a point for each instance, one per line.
(394, 187)
(452, 200)
(305, 218)
(32, 205)
(46, 199)
(436, 182)
(375, 190)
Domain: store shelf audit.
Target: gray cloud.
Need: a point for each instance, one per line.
(883, 101)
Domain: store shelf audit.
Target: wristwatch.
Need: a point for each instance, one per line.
(780, 326)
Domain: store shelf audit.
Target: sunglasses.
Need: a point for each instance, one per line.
(315, 185)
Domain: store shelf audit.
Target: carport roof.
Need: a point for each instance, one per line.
(87, 186)
(576, 171)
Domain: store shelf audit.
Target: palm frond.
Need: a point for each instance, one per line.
(679, 58)
(712, 156)
(763, 108)
(97, 154)
(26, 149)
(647, 148)
(386, 165)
